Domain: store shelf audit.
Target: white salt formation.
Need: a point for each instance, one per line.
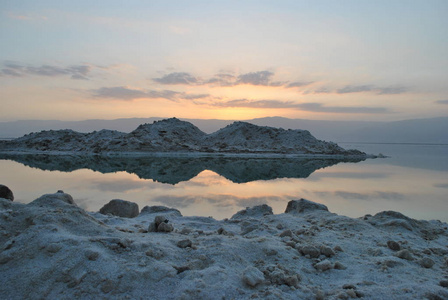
(173, 135)
(53, 249)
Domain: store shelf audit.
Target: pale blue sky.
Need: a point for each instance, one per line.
(360, 60)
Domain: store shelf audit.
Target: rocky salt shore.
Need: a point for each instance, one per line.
(53, 249)
(173, 136)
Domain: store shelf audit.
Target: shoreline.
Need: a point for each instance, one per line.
(54, 249)
(188, 154)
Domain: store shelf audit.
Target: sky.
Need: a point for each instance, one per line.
(323, 60)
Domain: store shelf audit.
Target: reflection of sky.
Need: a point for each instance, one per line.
(352, 189)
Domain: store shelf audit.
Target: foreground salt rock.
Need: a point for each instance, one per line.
(6, 193)
(53, 249)
(120, 208)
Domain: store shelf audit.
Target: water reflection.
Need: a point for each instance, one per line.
(220, 187)
(173, 170)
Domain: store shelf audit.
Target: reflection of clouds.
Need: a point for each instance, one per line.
(219, 200)
(122, 185)
(441, 185)
(348, 175)
(175, 201)
(362, 196)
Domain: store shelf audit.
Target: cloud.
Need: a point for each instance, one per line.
(125, 93)
(260, 78)
(255, 78)
(442, 102)
(18, 70)
(355, 89)
(441, 185)
(318, 107)
(222, 79)
(298, 84)
(219, 200)
(177, 78)
(257, 103)
(123, 185)
(311, 106)
(390, 90)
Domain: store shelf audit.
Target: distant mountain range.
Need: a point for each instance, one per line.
(408, 131)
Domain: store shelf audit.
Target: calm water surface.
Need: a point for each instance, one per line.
(413, 180)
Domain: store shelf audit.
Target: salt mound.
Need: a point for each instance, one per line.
(174, 135)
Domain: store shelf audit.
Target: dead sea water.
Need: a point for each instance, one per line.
(412, 180)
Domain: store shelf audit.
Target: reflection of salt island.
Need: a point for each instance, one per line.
(53, 249)
(175, 136)
(176, 169)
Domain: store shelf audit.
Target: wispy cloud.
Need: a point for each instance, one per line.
(391, 90)
(255, 78)
(222, 79)
(318, 107)
(441, 185)
(221, 200)
(177, 78)
(126, 93)
(259, 78)
(355, 89)
(257, 103)
(298, 84)
(310, 106)
(442, 102)
(19, 70)
(26, 17)
(369, 88)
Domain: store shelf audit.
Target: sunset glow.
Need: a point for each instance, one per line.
(350, 60)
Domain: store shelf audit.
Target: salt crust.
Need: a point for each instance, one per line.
(53, 249)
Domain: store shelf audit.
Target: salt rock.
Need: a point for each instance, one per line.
(393, 219)
(312, 251)
(252, 276)
(302, 205)
(120, 208)
(324, 265)
(426, 262)
(184, 243)
(327, 251)
(256, 211)
(91, 255)
(160, 209)
(287, 232)
(54, 199)
(6, 193)
(293, 281)
(405, 254)
(393, 245)
(339, 266)
(165, 227)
